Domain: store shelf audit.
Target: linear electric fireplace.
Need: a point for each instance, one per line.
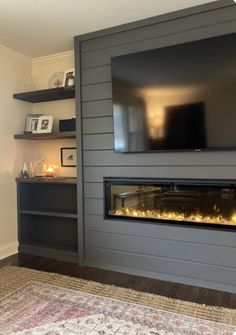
(186, 201)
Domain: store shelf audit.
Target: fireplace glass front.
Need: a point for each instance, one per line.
(195, 202)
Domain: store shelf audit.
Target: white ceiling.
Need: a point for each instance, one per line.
(39, 28)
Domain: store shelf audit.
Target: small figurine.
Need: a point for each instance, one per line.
(31, 170)
(24, 171)
(58, 83)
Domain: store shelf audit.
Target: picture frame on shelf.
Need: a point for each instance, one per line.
(32, 123)
(69, 78)
(68, 157)
(45, 124)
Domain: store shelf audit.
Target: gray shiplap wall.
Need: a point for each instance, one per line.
(189, 255)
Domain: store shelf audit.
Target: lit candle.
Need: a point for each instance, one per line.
(50, 172)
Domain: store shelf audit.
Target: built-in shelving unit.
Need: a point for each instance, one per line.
(47, 207)
(51, 94)
(50, 136)
(47, 217)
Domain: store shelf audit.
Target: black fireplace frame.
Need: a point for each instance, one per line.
(164, 181)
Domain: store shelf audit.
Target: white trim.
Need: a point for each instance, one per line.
(14, 53)
(8, 249)
(53, 57)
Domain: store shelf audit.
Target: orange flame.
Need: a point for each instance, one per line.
(175, 216)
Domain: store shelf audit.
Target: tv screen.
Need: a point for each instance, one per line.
(181, 97)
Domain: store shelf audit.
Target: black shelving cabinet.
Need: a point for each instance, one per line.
(47, 217)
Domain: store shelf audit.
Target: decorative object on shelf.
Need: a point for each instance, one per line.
(68, 157)
(45, 123)
(32, 123)
(31, 170)
(39, 168)
(24, 171)
(34, 84)
(38, 124)
(50, 170)
(67, 125)
(30, 85)
(56, 80)
(69, 78)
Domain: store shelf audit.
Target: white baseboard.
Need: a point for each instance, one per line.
(8, 249)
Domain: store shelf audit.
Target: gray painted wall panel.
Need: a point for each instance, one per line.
(97, 126)
(162, 231)
(150, 263)
(110, 158)
(165, 258)
(162, 276)
(93, 206)
(199, 253)
(96, 75)
(99, 91)
(94, 191)
(98, 142)
(96, 174)
(160, 29)
(97, 108)
(103, 56)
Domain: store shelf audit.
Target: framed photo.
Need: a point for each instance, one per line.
(45, 123)
(32, 121)
(68, 157)
(69, 78)
(38, 123)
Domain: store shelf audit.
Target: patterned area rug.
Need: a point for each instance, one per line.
(43, 309)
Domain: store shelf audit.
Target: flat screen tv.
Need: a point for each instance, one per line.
(181, 97)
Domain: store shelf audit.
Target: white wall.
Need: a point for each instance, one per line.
(15, 73)
(15, 70)
(42, 70)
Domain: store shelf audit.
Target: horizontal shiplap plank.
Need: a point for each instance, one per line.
(97, 92)
(93, 206)
(96, 75)
(163, 265)
(110, 158)
(160, 29)
(97, 125)
(98, 142)
(200, 253)
(97, 108)
(93, 190)
(103, 56)
(96, 174)
(162, 231)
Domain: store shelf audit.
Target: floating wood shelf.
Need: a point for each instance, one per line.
(50, 136)
(50, 94)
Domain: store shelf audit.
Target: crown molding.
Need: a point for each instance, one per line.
(14, 53)
(53, 57)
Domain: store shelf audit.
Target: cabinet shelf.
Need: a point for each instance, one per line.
(60, 214)
(47, 217)
(50, 136)
(54, 250)
(47, 180)
(52, 245)
(51, 94)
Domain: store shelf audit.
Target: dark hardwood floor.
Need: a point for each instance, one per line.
(172, 290)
